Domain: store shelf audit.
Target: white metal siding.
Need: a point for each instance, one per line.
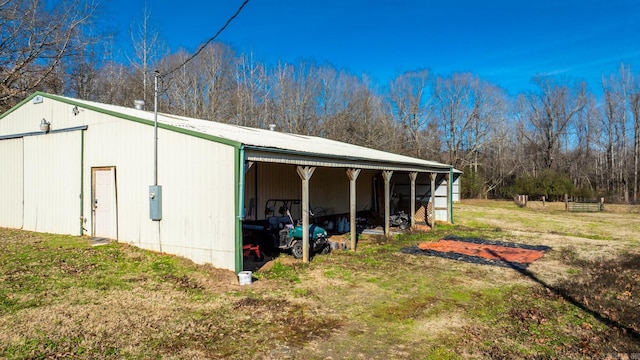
(127, 146)
(328, 188)
(52, 183)
(11, 183)
(456, 189)
(198, 190)
(440, 201)
(277, 181)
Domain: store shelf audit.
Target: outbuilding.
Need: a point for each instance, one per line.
(184, 186)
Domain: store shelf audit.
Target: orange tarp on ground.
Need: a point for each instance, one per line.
(491, 252)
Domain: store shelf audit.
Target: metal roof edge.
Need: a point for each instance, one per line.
(408, 166)
(127, 117)
(433, 167)
(18, 105)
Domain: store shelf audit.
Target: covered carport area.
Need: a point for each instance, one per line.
(344, 184)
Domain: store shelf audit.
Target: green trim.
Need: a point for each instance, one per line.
(450, 184)
(239, 174)
(127, 117)
(19, 104)
(81, 183)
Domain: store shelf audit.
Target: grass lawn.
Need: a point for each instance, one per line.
(60, 297)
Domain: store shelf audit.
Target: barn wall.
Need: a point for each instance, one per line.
(198, 189)
(328, 189)
(52, 183)
(274, 181)
(197, 176)
(41, 184)
(441, 199)
(11, 180)
(456, 188)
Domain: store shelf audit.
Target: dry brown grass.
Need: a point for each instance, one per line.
(61, 298)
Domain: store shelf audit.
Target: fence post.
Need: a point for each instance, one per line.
(566, 202)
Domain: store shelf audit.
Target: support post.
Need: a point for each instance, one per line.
(386, 175)
(432, 200)
(353, 175)
(412, 177)
(305, 173)
(449, 196)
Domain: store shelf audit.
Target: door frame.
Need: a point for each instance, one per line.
(114, 214)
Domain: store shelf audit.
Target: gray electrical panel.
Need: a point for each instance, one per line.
(155, 202)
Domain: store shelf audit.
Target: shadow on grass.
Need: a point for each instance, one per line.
(630, 332)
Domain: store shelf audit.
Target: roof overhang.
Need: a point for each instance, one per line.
(281, 156)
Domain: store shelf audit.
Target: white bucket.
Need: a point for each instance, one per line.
(244, 277)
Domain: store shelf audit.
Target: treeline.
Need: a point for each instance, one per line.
(559, 138)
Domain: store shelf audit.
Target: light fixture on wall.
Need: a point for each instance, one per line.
(45, 125)
(75, 110)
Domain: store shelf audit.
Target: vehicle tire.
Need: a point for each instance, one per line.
(259, 258)
(326, 249)
(296, 249)
(404, 225)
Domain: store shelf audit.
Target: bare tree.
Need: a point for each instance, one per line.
(583, 162)
(293, 97)
(251, 96)
(110, 80)
(35, 39)
(550, 112)
(411, 104)
(216, 65)
(466, 108)
(146, 47)
(616, 96)
(634, 102)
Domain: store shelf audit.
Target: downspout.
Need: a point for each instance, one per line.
(81, 182)
(450, 183)
(240, 206)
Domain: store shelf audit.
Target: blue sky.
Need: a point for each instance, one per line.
(504, 42)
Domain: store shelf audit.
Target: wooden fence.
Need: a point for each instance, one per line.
(581, 205)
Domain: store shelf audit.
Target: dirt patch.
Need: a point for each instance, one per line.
(282, 260)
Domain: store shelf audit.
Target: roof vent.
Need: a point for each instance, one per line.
(138, 104)
(272, 127)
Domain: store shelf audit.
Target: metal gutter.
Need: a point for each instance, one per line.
(82, 183)
(255, 153)
(35, 133)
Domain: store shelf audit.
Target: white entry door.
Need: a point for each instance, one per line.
(104, 202)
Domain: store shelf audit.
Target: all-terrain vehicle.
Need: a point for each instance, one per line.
(279, 231)
(291, 239)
